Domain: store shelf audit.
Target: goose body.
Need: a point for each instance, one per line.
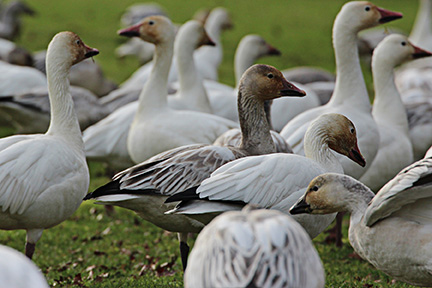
(16, 79)
(261, 247)
(395, 150)
(274, 181)
(45, 176)
(187, 166)
(350, 96)
(392, 230)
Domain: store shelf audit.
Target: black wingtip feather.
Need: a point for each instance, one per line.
(189, 194)
(110, 188)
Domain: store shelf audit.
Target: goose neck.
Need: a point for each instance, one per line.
(316, 147)
(255, 129)
(422, 24)
(350, 84)
(64, 121)
(242, 61)
(153, 97)
(387, 106)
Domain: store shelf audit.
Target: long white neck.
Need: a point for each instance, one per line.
(388, 107)
(350, 84)
(421, 32)
(244, 58)
(64, 121)
(256, 137)
(316, 148)
(191, 90)
(153, 97)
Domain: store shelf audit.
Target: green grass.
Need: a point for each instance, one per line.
(95, 250)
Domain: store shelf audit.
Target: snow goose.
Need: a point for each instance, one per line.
(274, 181)
(262, 248)
(144, 187)
(106, 141)
(29, 112)
(17, 271)
(45, 176)
(217, 21)
(156, 126)
(350, 96)
(15, 79)
(395, 150)
(392, 230)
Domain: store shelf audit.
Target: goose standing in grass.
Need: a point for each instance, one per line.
(17, 271)
(392, 230)
(144, 187)
(262, 248)
(350, 96)
(395, 150)
(106, 141)
(45, 176)
(274, 181)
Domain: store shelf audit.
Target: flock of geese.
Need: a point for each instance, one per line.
(258, 170)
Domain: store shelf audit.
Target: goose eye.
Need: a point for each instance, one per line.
(403, 43)
(367, 8)
(151, 22)
(352, 130)
(314, 188)
(270, 75)
(78, 42)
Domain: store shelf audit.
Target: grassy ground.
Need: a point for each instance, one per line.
(95, 250)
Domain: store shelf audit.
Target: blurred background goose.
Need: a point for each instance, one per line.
(392, 230)
(262, 248)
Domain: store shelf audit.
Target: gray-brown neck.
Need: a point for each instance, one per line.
(256, 137)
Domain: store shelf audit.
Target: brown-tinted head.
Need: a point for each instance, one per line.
(362, 15)
(71, 47)
(266, 83)
(194, 33)
(154, 29)
(342, 136)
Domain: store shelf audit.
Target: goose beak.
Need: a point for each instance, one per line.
(420, 53)
(356, 156)
(300, 207)
(90, 52)
(208, 41)
(272, 50)
(387, 15)
(290, 89)
(133, 31)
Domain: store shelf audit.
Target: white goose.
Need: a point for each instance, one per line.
(17, 271)
(16, 79)
(144, 187)
(274, 181)
(350, 96)
(395, 149)
(156, 126)
(106, 141)
(392, 230)
(208, 60)
(45, 176)
(261, 248)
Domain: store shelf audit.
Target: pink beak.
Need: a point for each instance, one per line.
(133, 31)
(387, 15)
(420, 53)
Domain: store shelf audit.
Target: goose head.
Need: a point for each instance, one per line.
(70, 48)
(154, 29)
(258, 46)
(339, 134)
(330, 193)
(396, 49)
(359, 15)
(267, 83)
(220, 15)
(200, 36)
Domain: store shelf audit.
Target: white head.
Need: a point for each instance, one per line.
(221, 16)
(259, 47)
(359, 15)
(154, 29)
(69, 49)
(195, 28)
(396, 49)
